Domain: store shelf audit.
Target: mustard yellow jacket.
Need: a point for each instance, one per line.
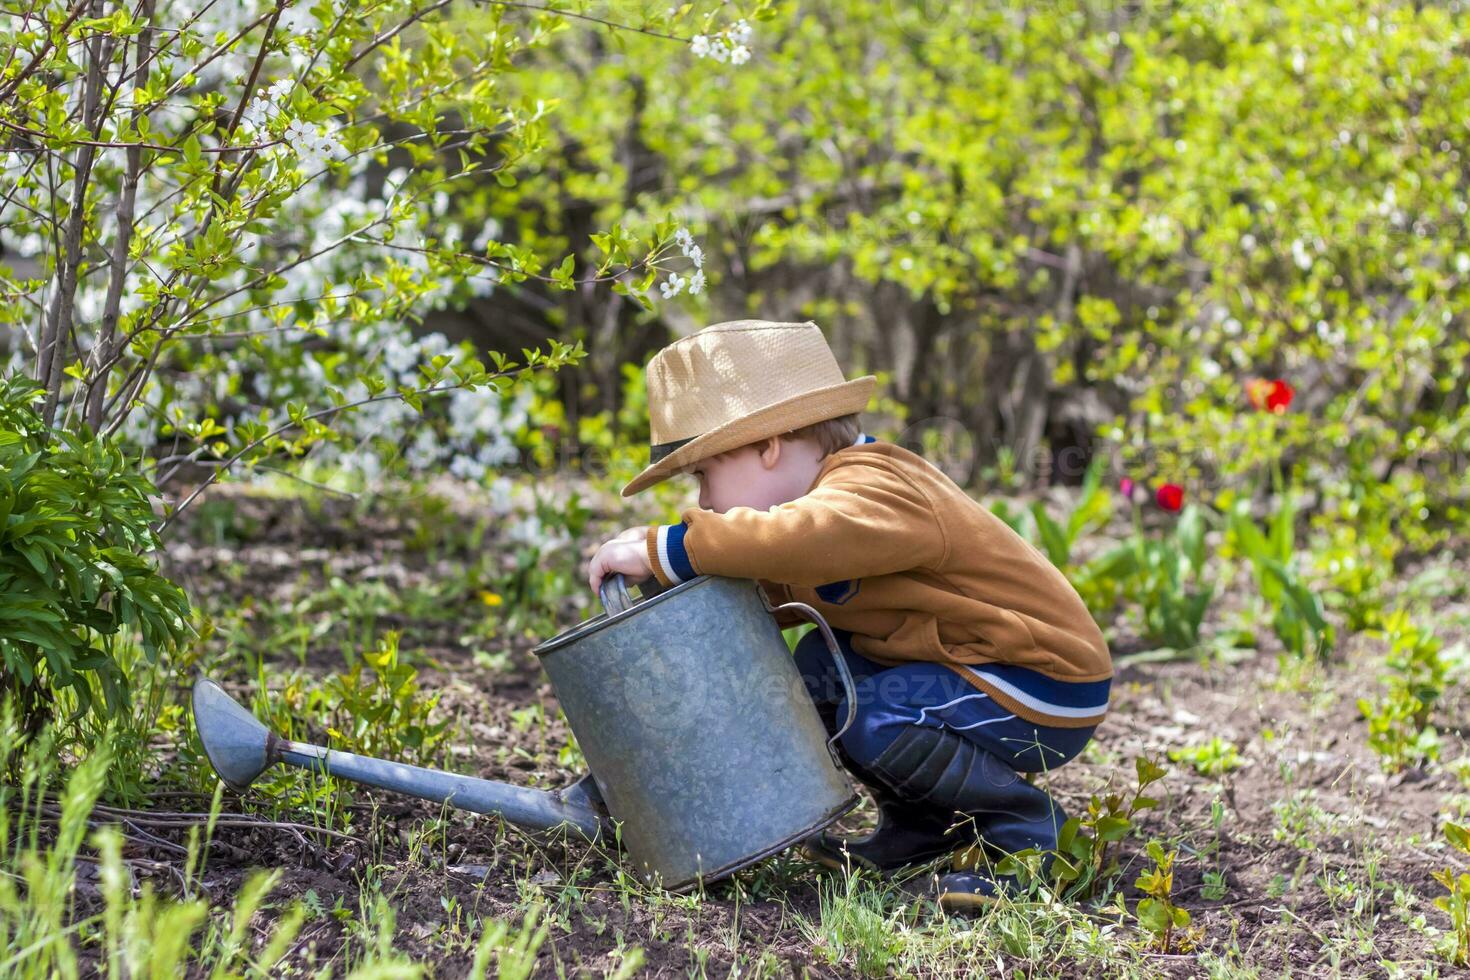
(886, 546)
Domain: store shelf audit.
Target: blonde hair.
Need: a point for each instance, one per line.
(830, 434)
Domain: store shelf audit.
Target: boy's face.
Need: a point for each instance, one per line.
(761, 475)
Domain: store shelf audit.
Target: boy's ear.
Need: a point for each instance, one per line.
(770, 451)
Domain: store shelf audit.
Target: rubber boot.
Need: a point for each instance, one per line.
(907, 834)
(940, 768)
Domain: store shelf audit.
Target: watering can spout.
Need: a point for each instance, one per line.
(240, 748)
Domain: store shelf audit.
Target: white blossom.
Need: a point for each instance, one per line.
(1300, 255)
(695, 282)
(467, 468)
(267, 103)
(311, 146)
(398, 356)
(424, 451)
(497, 450)
(730, 44)
(501, 500)
(527, 530)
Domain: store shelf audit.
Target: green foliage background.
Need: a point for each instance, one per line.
(1035, 212)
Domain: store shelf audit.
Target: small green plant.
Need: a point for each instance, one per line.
(1356, 561)
(513, 951)
(76, 582)
(1084, 859)
(1296, 610)
(1166, 922)
(1394, 734)
(1457, 903)
(1213, 758)
(377, 709)
(1093, 508)
(1163, 576)
(1399, 728)
(856, 925)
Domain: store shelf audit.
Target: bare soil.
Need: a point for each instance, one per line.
(1325, 861)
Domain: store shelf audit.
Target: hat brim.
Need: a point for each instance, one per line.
(783, 416)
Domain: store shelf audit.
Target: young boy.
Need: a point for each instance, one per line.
(975, 659)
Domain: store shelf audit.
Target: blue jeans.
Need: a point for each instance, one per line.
(923, 693)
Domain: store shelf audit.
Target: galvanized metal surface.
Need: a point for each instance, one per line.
(240, 748)
(697, 726)
(698, 729)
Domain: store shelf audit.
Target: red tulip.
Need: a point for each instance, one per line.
(1170, 496)
(1279, 397)
(1273, 396)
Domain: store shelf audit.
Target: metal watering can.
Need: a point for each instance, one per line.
(706, 753)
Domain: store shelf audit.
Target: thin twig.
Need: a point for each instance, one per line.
(588, 17)
(113, 145)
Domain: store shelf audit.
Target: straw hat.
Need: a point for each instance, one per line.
(739, 382)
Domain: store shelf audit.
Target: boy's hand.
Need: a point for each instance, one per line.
(626, 554)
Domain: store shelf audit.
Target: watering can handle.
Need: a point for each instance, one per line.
(838, 660)
(614, 594)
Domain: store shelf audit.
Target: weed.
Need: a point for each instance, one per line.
(514, 952)
(1213, 758)
(1081, 865)
(1398, 723)
(855, 923)
(1457, 903)
(382, 713)
(1166, 922)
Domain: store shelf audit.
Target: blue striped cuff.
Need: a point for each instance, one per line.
(1035, 690)
(673, 560)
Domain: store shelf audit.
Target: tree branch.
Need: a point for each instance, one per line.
(102, 351)
(58, 328)
(319, 414)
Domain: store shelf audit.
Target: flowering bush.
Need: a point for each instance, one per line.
(227, 216)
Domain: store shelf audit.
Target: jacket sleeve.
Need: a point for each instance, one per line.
(871, 522)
